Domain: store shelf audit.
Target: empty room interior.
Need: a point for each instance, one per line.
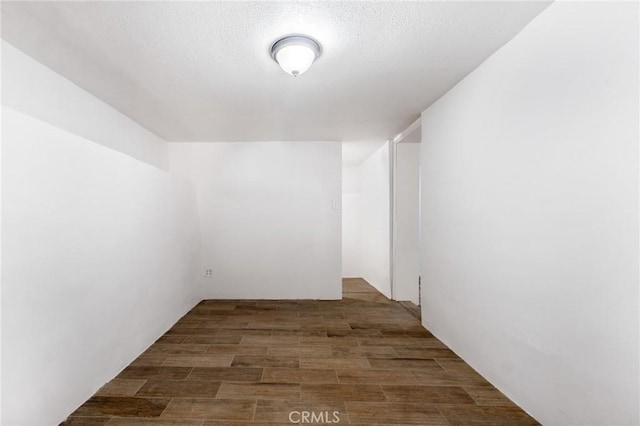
(324, 212)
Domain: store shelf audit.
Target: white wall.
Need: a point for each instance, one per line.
(406, 222)
(269, 226)
(530, 216)
(351, 262)
(374, 220)
(1, 220)
(98, 259)
(30, 87)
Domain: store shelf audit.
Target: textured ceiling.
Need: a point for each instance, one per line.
(201, 71)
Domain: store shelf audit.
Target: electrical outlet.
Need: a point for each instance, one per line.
(208, 273)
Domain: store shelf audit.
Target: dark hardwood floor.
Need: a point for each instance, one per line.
(361, 360)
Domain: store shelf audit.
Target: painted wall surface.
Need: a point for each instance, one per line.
(406, 224)
(351, 181)
(530, 216)
(351, 222)
(99, 254)
(374, 220)
(32, 88)
(270, 217)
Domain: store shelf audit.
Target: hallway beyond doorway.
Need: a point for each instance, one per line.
(360, 360)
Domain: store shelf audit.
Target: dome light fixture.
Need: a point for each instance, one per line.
(295, 53)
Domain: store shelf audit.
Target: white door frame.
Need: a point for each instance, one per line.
(393, 167)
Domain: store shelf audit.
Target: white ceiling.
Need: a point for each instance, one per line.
(201, 71)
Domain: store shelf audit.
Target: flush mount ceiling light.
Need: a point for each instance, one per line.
(295, 53)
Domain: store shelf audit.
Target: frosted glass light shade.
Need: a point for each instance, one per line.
(295, 60)
(295, 54)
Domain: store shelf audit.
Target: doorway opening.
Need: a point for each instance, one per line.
(405, 216)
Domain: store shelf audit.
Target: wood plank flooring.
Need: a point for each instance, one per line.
(361, 360)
